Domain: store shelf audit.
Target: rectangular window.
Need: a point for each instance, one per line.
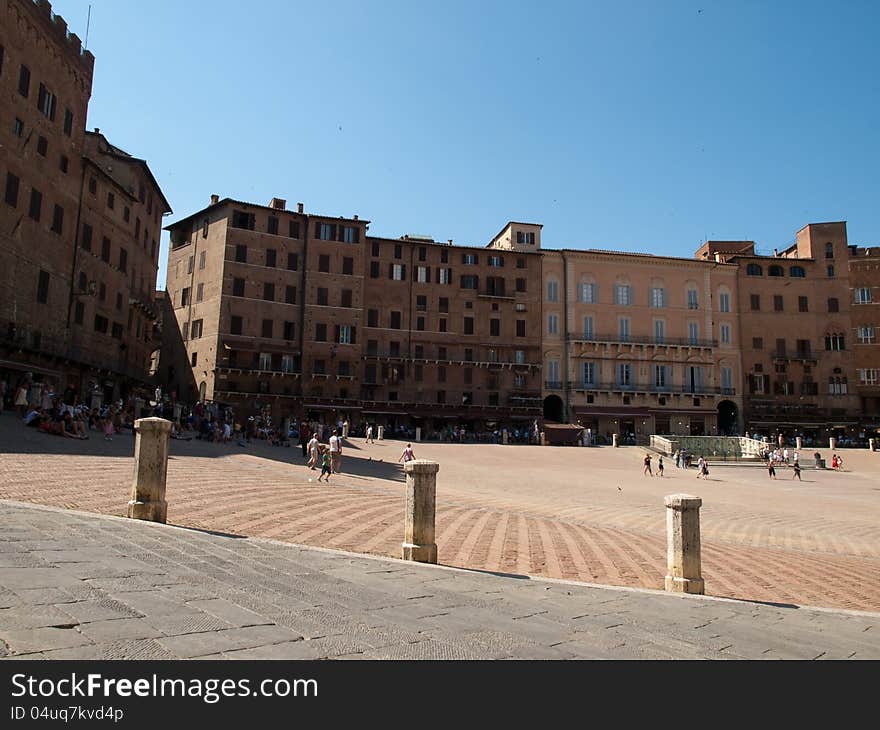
(200, 292)
(469, 258)
(64, 164)
(422, 303)
(725, 334)
(442, 324)
(324, 263)
(693, 299)
(395, 320)
(58, 219)
(325, 231)
(693, 333)
(36, 204)
(345, 335)
(292, 261)
(271, 257)
(468, 325)
(293, 229)
(111, 201)
(241, 253)
(196, 330)
(265, 361)
(724, 302)
(521, 285)
(203, 256)
(79, 311)
(269, 291)
(622, 294)
(833, 305)
(423, 274)
(189, 265)
(865, 334)
(242, 219)
(420, 324)
(348, 265)
(757, 343)
(661, 376)
(43, 287)
(235, 323)
(755, 300)
(658, 297)
(374, 269)
(496, 261)
(11, 190)
(24, 81)
(374, 249)
(624, 374)
(289, 330)
(444, 276)
(443, 304)
(659, 331)
(105, 249)
(272, 226)
(552, 291)
(238, 287)
(267, 328)
(780, 346)
(101, 324)
(588, 373)
(778, 303)
(290, 294)
(42, 146)
(520, 328)
(397, 272)
(398, 251)
(869, 376)
(351, 234)
(863, 295)
(323, 297)
(494, 328)
(803, 304)
(372, 318)
(318, 367)
(18, 127)
(102, 292)
(184, 296)
(86, 241)
(624, 329)
(68, 122)
(469, 281)
(552, 324)
(726, 380)
(345, 298)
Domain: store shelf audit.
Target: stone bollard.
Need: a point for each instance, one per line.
(832, 443)
(380, 433)
(871, 444)
(504, 437)
(418, 433)
(345, 430)
(798, 443)
(543, 439)
(614, 440)
(150, 469)
(683, 544)
(421, 490)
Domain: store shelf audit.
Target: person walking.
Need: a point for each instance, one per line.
(797, 471)
(336, 451)
(313, 447)
(20, 399)
(326, 468)
(647, 470)
(660, 466)
(407, 454)
(771, 470)
(369, 438)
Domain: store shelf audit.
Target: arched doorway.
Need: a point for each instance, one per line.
(727, 418)
(553, 408)
(202, 390)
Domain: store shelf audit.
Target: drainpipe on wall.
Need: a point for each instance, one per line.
(302, 312)
(565, 379)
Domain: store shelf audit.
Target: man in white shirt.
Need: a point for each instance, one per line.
(313, 451)
(335, 453)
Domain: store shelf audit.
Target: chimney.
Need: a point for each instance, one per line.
(717, 257)
(776, 252)
(450, 242)
(97, 131)
(355, 216)
(299, 207)
(278, 204)
(215, 199)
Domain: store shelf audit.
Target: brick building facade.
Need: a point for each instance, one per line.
(79, 222)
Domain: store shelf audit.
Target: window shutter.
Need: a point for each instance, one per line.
(340, 233)
(353, 335)
(437, 275)
(357, 235)
(52, 108)
(41, 97)
(403, 272)
(428, 275)
(390, 271)
(317, 230)
(336, 333)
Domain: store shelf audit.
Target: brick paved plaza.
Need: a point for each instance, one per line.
(578, 514)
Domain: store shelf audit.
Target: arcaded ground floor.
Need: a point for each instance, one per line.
(574, 513)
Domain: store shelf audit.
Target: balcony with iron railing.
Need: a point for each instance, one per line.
(614, 387)
(612, 339)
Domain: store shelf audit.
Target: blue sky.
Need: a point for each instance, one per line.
(638, 126)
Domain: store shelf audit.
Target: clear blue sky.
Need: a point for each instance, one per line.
(640, 126)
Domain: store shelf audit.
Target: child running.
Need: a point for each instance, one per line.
(325, 466)
(660, 466)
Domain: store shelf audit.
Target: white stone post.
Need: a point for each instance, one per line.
(683, 544)
(418, 433)
(345, 430)
(871, 444)
(504, 436)
(614, 440)
(543, 439)
(421, 490)
(380, 433)
(150, 470)
(798, 442)
(832, 443)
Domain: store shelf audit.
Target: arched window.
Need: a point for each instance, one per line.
(775, 271)
(797, 272)
(754, 270)
(588, 291)
(829, 250)
(723, 299)
(552, 290)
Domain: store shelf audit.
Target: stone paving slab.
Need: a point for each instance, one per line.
(272, 600)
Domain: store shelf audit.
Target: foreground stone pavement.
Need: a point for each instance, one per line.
(82, 586)
(574, 514)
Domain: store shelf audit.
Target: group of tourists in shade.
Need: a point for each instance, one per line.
(62, 414)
